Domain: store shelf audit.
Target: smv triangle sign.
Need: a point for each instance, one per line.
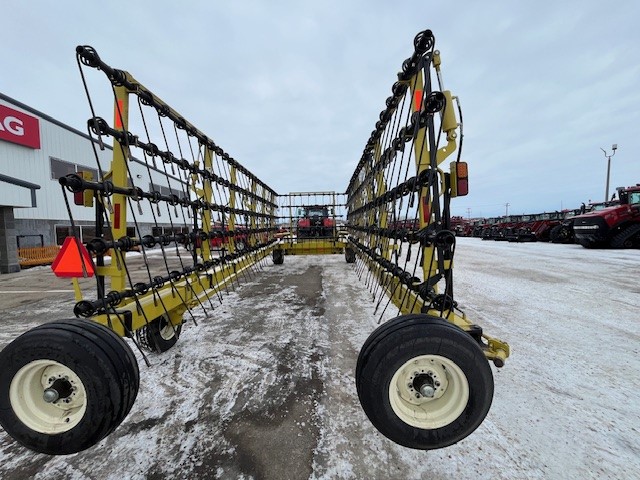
(71, 258)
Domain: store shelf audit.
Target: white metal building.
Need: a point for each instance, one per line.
(36, 150)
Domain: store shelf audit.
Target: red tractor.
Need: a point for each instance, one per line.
(505, 227)
(522, 229)
(315, 222)
(240, 237)
(489, 228)
(616, 226)
(563, 232)
(460, 226)
(545, 223)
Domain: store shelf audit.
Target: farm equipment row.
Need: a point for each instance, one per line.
(613, 224)
(423, 378)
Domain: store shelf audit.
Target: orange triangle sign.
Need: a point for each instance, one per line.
(69, 261)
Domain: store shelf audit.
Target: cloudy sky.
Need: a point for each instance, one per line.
(292, 89)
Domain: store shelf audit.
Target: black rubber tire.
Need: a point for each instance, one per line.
(561, 234)
(155, 339)
(555, 235)
(349, 255)
(399, 340)
(627, 238)
(278, 257)
(100, 358)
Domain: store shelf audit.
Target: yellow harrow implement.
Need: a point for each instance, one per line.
(202, 223)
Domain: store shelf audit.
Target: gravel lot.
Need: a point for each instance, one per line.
(264, 387)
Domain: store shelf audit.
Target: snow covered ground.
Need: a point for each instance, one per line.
(264, 388)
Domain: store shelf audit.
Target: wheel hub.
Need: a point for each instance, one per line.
(426, 381)
(425, 385)
(428, 391)
(48, 397)
(62, 383)
(60, 389)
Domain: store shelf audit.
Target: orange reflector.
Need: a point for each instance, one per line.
(417, 100)
(70, 259)
(459, 177)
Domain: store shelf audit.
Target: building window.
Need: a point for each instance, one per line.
(166, 190)
(64, 231)
(60, 168)
(86, 233)
(157, 231)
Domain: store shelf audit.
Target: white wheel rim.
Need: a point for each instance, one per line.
(167, 331)
(26, 394)
(450, 392)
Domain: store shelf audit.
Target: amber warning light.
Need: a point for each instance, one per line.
(459, 179)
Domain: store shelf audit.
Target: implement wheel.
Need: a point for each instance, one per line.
(161, 334)
(66, 385)
(349, 255)
(278, 257)
(423, 382)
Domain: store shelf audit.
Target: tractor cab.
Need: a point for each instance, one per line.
(629, 195)
(315, 221)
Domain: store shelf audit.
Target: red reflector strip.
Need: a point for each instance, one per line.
(119, 114)
(417, 100)
(462, 187)
(116, 216)
(426, 210)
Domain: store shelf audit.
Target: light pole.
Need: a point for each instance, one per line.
(614, 147)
